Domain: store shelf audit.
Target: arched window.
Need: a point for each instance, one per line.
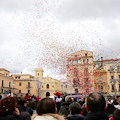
(47, 86)
(38, 74)
(100, 88)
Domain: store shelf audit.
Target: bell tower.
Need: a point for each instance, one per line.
(39, 72)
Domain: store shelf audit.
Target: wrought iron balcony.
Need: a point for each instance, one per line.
(100, 82)
(28, 87)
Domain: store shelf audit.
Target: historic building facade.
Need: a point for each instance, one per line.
(21, 84)
(6, 81)
(80, 72)
(100, 77)
(48, 84)
(85, 75)
(25, 83)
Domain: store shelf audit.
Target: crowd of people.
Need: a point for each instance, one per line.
(93, 107)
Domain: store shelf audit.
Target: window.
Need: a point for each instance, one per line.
(52, 86)
(29, 91)
(76, 82)
(118, 68)
(76, 91)
(47, 86)
(66, 86)
(119, 87)
(87, 60)
(19, 91)
(6, 74)
(75, 72)
(86, 80)
(38, 74)
(18, 77)
(112, 77)
(19, 83)
(9, 84)
(85, 54)
(2, 90)
(75, 62)
(85, 71)
(2, 83)
(111, 69)
(113, 88)
(15, 77)
(79, 61)
(100, 88)
(100, 78)
(28, 84)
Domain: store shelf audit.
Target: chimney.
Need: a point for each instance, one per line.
(21, 72)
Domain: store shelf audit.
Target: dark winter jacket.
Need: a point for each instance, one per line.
(10, 117)
(97, 116)
(58, 104)
(75, 117)
(64, 109)
(24, 115)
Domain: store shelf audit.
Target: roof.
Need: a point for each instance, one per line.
(3, 69)
(80, 54)
(108, 60)
(22, 75)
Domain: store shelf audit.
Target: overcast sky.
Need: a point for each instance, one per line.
(41, 33)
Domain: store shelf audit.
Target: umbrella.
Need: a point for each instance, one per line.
(58, 94)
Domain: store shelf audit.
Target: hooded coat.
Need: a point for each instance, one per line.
(64, 109)
(47, 117)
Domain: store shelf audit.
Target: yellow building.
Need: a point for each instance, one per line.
(112, 66)
(37, 85)
(25, 83)
(110, 74)
(100, 77)
(80, 72)
(6, 81)
(48, 84)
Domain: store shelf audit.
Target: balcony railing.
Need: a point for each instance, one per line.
(28, 87)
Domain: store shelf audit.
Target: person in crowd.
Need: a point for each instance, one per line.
(115, 102)
(96, 105)
(10, 93)
(47, 94)
(8, 109)
(38, 98)
(75, 99)
(84, 110)
(110, 109)
(0, 97)
(31, 106)
(58, 103)
(46, 110)
(21, 104)
(75, 109)
(64, 109)
(116, 114)
(27, 96)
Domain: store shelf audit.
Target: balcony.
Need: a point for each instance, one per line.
(28, 87)
(111, 70)
(100, 82)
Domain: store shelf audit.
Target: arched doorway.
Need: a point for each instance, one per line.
(47, 94)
